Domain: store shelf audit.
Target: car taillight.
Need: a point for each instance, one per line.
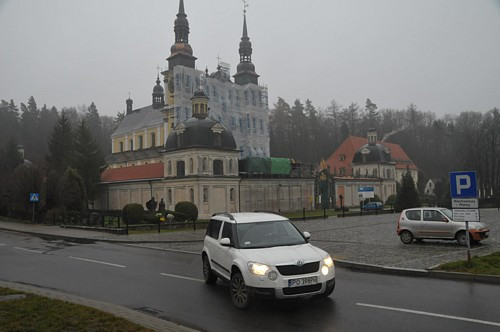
(397, 231)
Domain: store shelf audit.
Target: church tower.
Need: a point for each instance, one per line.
(158, 95)
(181, 53)
(245, 71)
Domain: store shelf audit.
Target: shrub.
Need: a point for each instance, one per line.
(390, 200)
(149, 218)
(188, 209)
(133, 212)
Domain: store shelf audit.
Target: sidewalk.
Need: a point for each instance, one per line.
(366, 243)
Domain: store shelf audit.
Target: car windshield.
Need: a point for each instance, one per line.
(268, 234)
(448, 213)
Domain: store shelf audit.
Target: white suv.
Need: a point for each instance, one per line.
(264, 254)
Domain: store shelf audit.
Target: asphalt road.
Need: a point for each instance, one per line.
(169, 285)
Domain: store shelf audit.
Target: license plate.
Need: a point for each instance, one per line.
(302, 281)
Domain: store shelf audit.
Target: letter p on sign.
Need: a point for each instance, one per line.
(463, 182)
(463, 185)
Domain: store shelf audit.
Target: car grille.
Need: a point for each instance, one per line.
(292, 270)
(301, 289)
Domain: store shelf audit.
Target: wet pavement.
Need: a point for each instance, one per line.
(367, 239)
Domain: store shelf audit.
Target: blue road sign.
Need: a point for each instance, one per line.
(34, 197)
(365, 189)
(463, 184)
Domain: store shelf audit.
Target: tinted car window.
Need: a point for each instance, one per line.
(227, 231)
(413, 215)
(214, 228)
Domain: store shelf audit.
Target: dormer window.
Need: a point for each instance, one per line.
(342, 157)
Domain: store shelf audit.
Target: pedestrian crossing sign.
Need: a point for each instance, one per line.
(34, 197)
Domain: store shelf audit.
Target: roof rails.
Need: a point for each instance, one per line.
(227, 214)
(267, 211)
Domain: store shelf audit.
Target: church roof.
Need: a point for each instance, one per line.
(133, 173)
(121, 157)
(343, 156)
(139, 119)
(200, 133)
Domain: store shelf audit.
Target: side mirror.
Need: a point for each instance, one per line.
(445, 219)
(307, 235)
(225, 242)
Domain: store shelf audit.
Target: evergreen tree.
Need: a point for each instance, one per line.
(9, 123)
(407, 196)
(10, 157)
(61, 145)
(73, 191)
(30, 130)
(88, 159)
(372, 114)
(119, 118)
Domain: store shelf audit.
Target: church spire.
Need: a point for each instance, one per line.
(181, 52)
(245, 71)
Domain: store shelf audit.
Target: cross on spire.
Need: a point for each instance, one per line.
(245, 5)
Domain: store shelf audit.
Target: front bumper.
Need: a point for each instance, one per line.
(292, 292)
(479, 234)
(279, 288)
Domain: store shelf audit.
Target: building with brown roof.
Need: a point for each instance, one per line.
(367, 162)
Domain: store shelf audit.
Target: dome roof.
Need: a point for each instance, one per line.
(181, 48)
(220, 75)
(372, 153)
(245, 67)
(200, 133)
(158, 89)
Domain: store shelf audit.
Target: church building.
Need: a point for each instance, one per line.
(186, 145)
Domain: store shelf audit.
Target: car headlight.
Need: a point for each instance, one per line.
(328, 261)
(257, 268)
(327, 264)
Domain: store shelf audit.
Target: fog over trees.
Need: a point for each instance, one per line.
(67, 147)
(437, 145)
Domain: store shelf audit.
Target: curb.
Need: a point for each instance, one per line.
(436, 274)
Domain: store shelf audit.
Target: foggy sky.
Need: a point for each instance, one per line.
(442, 55)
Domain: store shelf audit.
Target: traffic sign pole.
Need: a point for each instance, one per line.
(463, 191)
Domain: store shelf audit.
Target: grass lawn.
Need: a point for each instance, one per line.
(479, 265)
(37, 313)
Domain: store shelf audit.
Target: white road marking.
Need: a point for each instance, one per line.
(93, 261)
(430, 314)
(30, 250)
(2, 244)
(181, 277)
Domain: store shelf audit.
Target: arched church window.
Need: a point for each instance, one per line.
(191, 166)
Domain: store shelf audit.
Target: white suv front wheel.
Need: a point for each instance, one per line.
(239, 291)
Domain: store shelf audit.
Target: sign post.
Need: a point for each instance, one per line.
(465, 205)
(34, 198)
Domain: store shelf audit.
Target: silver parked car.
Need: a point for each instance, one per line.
(437, 223)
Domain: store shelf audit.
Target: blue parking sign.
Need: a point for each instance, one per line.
(463, 184)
